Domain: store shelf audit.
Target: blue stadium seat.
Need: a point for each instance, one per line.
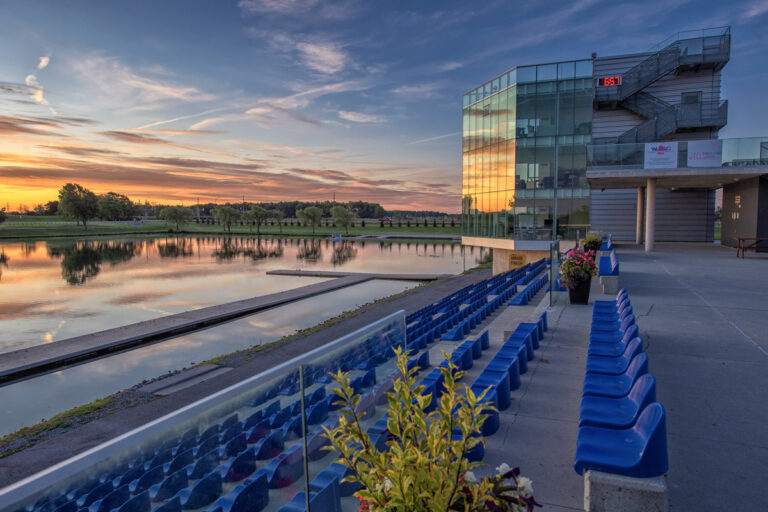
(147, 480)
(618, 413)
(286, 468)
(202, 493)
(615, 365)
(95, 494)
(170, 486)
(615, 386)
(269, 446)
(139, 503)
(239, 467)
(112, 500)
(610, 349)
(325, 499)
(251, 496)
(335, 472)
(499, 381)
(639, 451)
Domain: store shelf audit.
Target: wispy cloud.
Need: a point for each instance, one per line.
(308, 9)
(439, 137)
(37, 92)
(44, 61)
(127, 87)
(180, 132)
(450, 65)
(359, 117)
(755, 9)
(326, 58)
(420, 92)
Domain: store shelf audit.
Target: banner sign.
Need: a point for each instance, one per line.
(705, 153)
(660, 155)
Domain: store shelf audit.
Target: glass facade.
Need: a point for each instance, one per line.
(524, 153)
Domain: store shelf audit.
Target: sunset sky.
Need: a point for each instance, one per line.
(168, 101)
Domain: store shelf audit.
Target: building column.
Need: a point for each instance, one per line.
(640, 206)
(650, 214)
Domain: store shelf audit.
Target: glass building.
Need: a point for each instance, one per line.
(525, 135)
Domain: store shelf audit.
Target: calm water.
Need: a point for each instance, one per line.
(55, 289)
(62, 390)
(51, 290)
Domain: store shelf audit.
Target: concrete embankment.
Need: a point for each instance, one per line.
(41, 359)
(330, 273)
(67, 444)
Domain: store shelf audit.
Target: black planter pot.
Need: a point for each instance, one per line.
(580, 294)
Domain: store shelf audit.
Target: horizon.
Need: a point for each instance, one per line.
(268, 99)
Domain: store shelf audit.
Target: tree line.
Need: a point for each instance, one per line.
(82, 205)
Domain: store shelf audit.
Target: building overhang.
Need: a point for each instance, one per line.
(700, 177)
(513, 245)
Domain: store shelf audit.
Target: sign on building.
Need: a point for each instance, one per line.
(516, 259)
(705, 153)
(660, 155)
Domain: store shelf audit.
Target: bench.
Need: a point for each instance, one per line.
(743, 246)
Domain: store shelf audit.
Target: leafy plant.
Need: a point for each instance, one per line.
(592, 241)
(424, 466)
(577, 267)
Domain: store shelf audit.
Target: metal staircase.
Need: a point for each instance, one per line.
(707, 49)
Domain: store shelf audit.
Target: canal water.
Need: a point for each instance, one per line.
(56, 289)
(51, 290)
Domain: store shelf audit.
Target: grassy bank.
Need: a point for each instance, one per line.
(47, 227)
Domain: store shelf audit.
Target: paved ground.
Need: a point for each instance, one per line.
(44, 454)
(704, 316)
(330, 273)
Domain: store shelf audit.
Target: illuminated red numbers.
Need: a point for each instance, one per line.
(609, 81)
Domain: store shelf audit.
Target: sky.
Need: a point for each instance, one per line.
(170, 101)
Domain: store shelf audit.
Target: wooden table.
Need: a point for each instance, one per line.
(742, 245)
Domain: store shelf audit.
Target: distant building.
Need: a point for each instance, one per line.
(612, 144)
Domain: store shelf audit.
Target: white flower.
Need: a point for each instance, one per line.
(387, 484)
(503, 469)
(470, 477)
(524, 486)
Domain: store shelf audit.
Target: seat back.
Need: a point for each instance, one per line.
(627, 322)
(651, 427)
(632, 332)
(637, 367)
(643, 391)
(634, 348)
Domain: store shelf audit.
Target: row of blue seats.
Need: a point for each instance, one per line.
(621, 426)
(189, 462)
(608, 265)
(502, 373)
(530, 291)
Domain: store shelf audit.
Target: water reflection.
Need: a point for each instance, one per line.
(49, 286)
(343, 252)
(81, 261)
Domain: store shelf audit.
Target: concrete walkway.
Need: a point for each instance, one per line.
(40, 359)
(704, 316)
(330, 273)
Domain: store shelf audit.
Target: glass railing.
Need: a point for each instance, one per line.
(741, 152)
(689, 35)
(259, 440)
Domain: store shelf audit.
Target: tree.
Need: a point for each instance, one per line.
(226, 215)
(3, 216)
(258, 215)
(175, 215)
(114, 206)
(278, 216)
(78, 203)
(51, 207)
(311, 215)
(343, 216)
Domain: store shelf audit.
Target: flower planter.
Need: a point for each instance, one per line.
(580, 294)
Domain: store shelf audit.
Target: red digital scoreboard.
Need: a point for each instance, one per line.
(608, 81)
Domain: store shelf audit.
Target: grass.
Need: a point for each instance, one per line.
(61, 422)
(53, 226)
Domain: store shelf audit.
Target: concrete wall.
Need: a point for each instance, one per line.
(740, 211)
(501, 259)
(681, 215)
